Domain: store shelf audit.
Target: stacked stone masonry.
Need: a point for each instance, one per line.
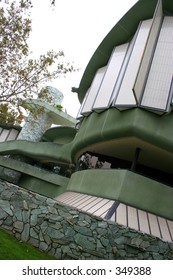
(67, 233)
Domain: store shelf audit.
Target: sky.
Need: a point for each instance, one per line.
(77, 27)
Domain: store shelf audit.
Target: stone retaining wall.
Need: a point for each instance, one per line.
(67, 233)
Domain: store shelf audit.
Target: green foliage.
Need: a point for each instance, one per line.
(59, 107)
(22, 77)
(52, 2)
(13, 249)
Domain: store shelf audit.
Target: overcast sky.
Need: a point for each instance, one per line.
(77, 27)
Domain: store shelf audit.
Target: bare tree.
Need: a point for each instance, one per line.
(21, 77)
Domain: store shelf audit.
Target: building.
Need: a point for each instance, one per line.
(124, 123)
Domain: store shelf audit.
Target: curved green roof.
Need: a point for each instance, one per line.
(120, 33)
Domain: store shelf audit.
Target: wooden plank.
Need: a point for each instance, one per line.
(77, 199)
(121, 215)
(89, 203)
(143, 221)
(67, 197)
(170, 225)
(64, 196)
(132, 218)
(84, 201)
(154, 227)
(102, 211)
(92, 205)
(164, 229)
(103, 207)
(113, 218)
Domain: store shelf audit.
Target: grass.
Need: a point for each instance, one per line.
(13, 249)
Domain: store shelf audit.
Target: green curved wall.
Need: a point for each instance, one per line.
(41, 151)
(113, 124)
(152, 130)
(59, 134)
(126, 187)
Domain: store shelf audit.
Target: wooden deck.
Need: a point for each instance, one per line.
(124, 215)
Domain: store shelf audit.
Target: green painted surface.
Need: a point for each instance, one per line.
(127, 187)
(121, 33)
(99, 128)
(59, 134)
(113, 124)
(41, 151)
(40, 186)
(36, 179)
(58, 117)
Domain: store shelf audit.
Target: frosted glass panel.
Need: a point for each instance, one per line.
(157, 91)
(149, 49)
(123, 69)
(13, 134)
(79, 116)
(125, 96)
(87, 108)
(4, 135)
(105, 92)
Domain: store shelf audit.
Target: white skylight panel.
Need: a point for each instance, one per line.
(87, 108)
(106, 89)
(79, 115)
(125, 95)
(148, 52)
(157, 93)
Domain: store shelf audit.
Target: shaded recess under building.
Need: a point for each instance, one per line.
(118, 153)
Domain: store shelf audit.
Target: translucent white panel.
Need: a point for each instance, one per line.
(125, 95)
(13, 134)
(79, 116)
(158, 86)
(148, 52)
(123, 69)
(4, 135)
(106, 165)
(167, 36)
(87, 108)
(105, 92)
